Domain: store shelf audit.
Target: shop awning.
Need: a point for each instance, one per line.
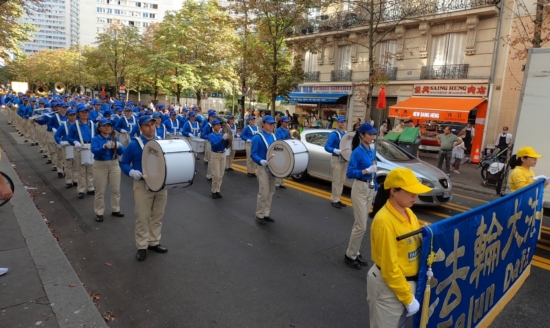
(314, 97)
(435, 108)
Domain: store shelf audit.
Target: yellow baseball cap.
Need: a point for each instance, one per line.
(528, 152)
(405, 179)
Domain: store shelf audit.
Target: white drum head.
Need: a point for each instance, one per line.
(281, 157)
(155, 168)
(345, 145)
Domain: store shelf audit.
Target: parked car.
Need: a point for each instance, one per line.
(429, 132)
(388, 156)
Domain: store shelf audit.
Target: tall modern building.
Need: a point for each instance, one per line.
(58, 25)
(97, 15)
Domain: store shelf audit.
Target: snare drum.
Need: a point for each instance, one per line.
(345, 145)
(198, 145)
(287, 157)
(86, 156)
(238, 144)
(168, 164)
(69, 153)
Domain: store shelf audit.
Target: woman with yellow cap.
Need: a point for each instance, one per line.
(522, 174)
(391, 281)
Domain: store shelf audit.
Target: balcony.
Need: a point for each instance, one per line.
(311, 76)
(398, 11)
(459, 71)
(342, 75)
(389, 73)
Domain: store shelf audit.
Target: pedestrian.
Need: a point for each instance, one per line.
(383, 129)
(266, 181)
(80, 136)
(447, 141)
(399, 127)
(337, 164)
(247, 134)
(149, 205)
(362, 168)
(458, 152)
(469, 137)
(357, 124)
(106, 149)
(392, 279)
(504, 141)
(371, 121)
(522, 174)
(218, 141)
(282, 133)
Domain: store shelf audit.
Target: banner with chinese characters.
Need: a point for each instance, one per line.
(483, 256)
(451, 90)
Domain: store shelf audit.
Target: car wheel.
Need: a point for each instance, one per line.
(300, 176)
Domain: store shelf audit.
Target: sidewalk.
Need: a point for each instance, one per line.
(41, 288)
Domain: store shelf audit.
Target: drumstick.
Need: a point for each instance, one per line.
(270, 157)
(345, 149)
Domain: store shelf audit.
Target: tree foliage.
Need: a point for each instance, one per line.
(12, 31)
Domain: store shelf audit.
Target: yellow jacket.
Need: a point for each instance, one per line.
(396, 259)
(521, 177)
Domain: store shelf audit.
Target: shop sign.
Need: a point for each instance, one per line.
(451, 90)
(447, 116)
(324, 89)
(306, 105)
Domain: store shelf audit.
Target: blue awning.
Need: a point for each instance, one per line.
(313, 97)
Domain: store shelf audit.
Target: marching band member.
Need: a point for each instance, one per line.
(62, 138)
(231, 156)
(160, 129)
(218, 141)
(22, 112)
(80, 136)
(96, 112)
(125, 126)
(104, 105)
(32, 129)
(198, 118)
(362, 168)
(106, 148)
(192, 129)
(248, 132)
(282, 133)
(57, 158)
(51, 129)
(337, 163)
(149, 205)
(173, 126)
(43, 128)
(266, 181)
(205, 131)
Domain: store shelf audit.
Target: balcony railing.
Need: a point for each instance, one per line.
(398, 11)
(311, 76)
(342, 75)
(459, 71)
(389, 73)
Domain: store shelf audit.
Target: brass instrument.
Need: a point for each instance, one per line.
(60, 87)
(14, 106)
(227, 129)
(41, 91)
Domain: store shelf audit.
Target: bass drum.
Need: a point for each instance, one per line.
(345, 145)
(287, 157)
(168, 164)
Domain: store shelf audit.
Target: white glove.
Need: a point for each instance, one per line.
(249, 140)
(108, 145)
(371, 169)
(123, 131)
(199, 135)
(413, 307)
(168, 133)
(137, 175)
(237, 135)
(118, 144)
(54, 130)
(263, 162)
(225, 136)
(540, 177)
(337, 151)
(64, 143)
(77, 144)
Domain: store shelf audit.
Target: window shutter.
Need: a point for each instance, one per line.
(386, 58)
(344, 58)
(457, 48)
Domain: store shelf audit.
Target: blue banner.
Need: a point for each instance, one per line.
(480, 256)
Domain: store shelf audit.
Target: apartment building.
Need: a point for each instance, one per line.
(58, 25)
(444, 61)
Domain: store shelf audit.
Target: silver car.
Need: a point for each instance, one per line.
(388, 157)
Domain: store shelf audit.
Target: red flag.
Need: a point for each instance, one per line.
(103, 92)
(381, 103)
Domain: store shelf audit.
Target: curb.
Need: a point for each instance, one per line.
(68, 298)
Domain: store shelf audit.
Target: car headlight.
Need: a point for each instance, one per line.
(426, 182)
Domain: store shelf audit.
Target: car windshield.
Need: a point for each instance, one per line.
(390, 151)
(317, 138)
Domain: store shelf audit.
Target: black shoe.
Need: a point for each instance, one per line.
(337, 205)
(250, 175)
(158, 248)
(34, 144)
(41, 151)
(92, 192)
(214, 195)
(352, 263)
(209, 179)
(141, 254)
(254, 175)
(69, 185)
(54, 168)
(118, 214)
(361, 261)
(267, 218)
(260, 220)
(219, 195)
(230, 169)
(75, 184)
(26, 141)
(45, 156)
(60, 175)
(205, 163)
(342, 204)
(49, 161)
(99, 218)
(80, 195)
(282, 187)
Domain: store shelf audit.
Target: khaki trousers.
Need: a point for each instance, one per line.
(59, 158)
(149, 210)
(385, 310)
(10, 115)
(250, 164)
(279, 182)
(229, 160)
(207, 156)
(266, 190)
(32, 131)
(71, 171)
(25, 128)
(42, 139)
(85, 174)
(106, 171)
(217, 162)
(361, 198)
(52, 148)
(338, 177)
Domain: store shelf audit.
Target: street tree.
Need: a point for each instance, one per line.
(13, 31)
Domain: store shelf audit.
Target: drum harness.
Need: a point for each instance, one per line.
(66, 126)
(267, 148)
(163, 133)
(128, 124)
(194, 131)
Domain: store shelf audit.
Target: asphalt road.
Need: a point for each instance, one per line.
(222, 269)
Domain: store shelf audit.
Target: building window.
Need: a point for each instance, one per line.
(109, 11)
(146, 15)
(117, 11)
(386, 58)
(310, 62)
(155, 6)
(138, 4)
(151, 15)
(448, 49)
(344, 58)
(131, 23)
